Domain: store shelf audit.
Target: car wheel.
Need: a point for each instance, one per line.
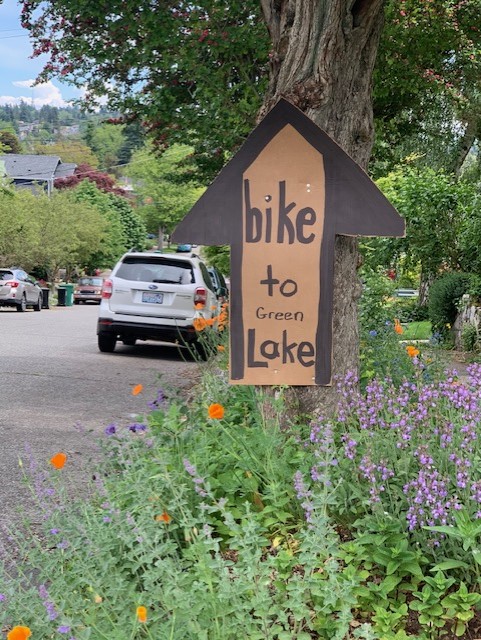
(38, 305)
(106, 342)
(129, 342)
(76, 301)
(23, 304)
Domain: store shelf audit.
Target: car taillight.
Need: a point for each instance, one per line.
(200, 296)
(11, 283)
(107, 289)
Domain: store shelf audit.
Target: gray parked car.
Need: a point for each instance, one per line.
(18, 289)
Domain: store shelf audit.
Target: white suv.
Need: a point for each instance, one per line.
(154, 296)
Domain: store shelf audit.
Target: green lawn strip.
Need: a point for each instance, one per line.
(416, 330)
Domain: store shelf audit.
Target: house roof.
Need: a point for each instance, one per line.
(35, 167)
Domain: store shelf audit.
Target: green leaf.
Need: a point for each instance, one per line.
(449, 564)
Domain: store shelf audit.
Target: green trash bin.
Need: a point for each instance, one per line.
(69, 287)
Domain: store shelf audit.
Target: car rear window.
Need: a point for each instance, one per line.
(158, 270)
(6, 275)
(94, 282)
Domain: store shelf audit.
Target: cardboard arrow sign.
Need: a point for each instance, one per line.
(279, 203)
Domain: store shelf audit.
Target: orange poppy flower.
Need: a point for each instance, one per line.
(199, 306)
(58, 460)
(164, 517)
(220, 347)
(397, 327)
(412, 351)
(141, 614)
(216, 411)
(199, 324)
(137, 389)
(19, 633)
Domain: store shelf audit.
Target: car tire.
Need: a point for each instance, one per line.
(106, 342)
(38, 305)
(76, 301)
(129, 342)
(23, 304)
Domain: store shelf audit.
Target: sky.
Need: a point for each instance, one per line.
(18, 70)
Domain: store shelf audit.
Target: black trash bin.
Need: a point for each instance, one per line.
(45, 298)
(61, 297)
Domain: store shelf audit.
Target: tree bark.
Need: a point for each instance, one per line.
(322, 59)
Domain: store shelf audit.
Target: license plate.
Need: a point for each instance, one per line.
(154, 297)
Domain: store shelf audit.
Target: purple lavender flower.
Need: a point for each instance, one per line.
(110, 429)
(63, 628)
(137, 427)
(159, 403)
(2, 597)
(199, 482)
(48, 604)
(304, 495)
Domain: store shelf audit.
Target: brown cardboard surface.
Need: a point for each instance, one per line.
(278, 315)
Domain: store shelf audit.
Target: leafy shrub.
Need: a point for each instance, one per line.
(470, 338)
(444, 296)
(374, 306)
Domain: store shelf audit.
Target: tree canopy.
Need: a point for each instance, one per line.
(180, 68)
(165, 196)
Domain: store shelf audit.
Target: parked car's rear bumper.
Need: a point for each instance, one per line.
(144, 331)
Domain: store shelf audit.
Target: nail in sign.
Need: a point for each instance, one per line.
(279, 203)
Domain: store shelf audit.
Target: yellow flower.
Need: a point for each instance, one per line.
(141, 614)
(19, 633)
(216, 411)
(98, 599)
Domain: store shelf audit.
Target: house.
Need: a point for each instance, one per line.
(34, 171)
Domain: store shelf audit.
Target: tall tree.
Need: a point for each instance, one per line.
(69, 150)
(9, 143)
(163, 201)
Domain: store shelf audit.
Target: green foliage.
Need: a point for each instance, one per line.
(422, 90)
(438, 211)
(196, 74)
(113, 241)
(124, 229)
(48, 232)
(245, 525)
(163, 184)
(470, 338)
(9, 143)
(218, 257)
(70, 150)
(181, 523)
(105, 141)
(134, 231)
(444, 296)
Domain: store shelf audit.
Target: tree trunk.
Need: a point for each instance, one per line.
(322, 59)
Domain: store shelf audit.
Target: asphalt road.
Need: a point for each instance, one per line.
(58, 392)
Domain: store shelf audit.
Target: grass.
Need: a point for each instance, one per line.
(417, 330)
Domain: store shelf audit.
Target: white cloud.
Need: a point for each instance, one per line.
(38, 95)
